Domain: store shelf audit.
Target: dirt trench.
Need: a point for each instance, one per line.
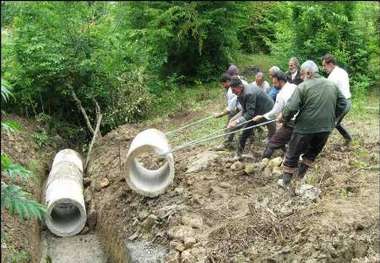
(218, 213)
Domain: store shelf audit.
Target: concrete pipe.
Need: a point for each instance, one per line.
(146, 181)
(66, 211)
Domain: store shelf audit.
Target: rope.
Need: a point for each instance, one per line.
(209, 137)
(188, 125)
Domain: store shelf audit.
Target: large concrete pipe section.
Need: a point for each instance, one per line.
(145, 181)
(66, 211)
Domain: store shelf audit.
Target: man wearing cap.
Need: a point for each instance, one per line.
(340, 77)
(283, 133)
(318, 102)
(254, 102)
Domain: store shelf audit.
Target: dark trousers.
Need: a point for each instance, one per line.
(310, 145)
(278, 141)
(346, 135)
(249, 132)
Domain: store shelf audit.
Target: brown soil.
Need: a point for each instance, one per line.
(22, 238)
(223, 215)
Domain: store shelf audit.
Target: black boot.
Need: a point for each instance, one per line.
(302, 169)
(268, 152)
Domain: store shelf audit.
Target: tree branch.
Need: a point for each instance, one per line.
(99, 120)
(80, 107)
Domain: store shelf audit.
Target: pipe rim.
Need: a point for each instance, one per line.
(74, 226)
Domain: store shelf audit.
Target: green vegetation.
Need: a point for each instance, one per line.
(141, 60)
(13, 198)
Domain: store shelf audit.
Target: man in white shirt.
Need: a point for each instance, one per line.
(283, 133)
(261, 83)
(233, 107)
(340, 77)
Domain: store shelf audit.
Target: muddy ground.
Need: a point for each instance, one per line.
(219, 213)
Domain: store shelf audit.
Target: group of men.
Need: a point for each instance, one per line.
(305, 105)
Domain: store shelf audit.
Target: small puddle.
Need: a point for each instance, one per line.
(79, 249)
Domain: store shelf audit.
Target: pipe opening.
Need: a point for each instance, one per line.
(66, 218)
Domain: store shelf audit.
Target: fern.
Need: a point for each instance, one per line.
(14, 170)
(5, 90)
(19, 202)
(10, 126)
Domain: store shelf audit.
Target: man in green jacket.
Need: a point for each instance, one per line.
(317, 102)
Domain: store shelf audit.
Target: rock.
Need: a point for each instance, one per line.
(172, 257)
(192, 220)
(134, 236)
(250, 168)
(87, 195)
(179, 190)
(275, 162)
(267, 172)
(86, 181)
(143, 214)
(309, 192)
(177, 245)
(201, 161)
(148, 223)
(236, 166)
(180, 232)
(102, 184)
(225, 185)
(189, 242)
(277, 171)
(264, 162)
(187, 257)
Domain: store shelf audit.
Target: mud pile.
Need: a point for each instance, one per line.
(217, 212)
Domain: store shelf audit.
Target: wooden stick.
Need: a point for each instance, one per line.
(79, 105)
(99, 120)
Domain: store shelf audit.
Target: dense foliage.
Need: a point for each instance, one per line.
(125, 55)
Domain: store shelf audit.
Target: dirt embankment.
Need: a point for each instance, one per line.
(218, 213)
(22, 239)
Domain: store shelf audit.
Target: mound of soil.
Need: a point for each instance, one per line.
(218, 213)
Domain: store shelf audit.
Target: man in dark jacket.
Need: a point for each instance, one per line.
(254, 102)
(294, 74)
(317, 102)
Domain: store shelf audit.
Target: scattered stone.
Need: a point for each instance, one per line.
(172, 257)
(149, 222)
(87, 195)
(250, 168)
(264, 163)
(236, 166)
(180, 232)
(187, 257)
(179, 190)
(189, 242)
(177, 245)
(103, 183)
(134, 236)
(201, 161)
(86, 181)
(267, 172)
(274, 162)
(277, 171)
(143, 214)
(192, 220)
(225, 185)
(309, 192)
